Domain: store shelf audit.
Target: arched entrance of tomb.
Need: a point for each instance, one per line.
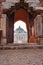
(22, 15)
(20, 32)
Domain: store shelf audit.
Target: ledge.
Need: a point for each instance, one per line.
(20, 46)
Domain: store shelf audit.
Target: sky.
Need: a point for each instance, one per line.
(21, 24)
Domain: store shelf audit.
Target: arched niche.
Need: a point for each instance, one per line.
(38, 25)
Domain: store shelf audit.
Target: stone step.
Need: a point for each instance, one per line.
(20, 46)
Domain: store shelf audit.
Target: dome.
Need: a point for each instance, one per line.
(19, 30)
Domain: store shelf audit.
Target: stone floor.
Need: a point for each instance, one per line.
(21, 57)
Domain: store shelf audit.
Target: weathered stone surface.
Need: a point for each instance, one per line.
(21, 57)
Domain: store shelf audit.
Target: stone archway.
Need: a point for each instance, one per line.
(21, 14)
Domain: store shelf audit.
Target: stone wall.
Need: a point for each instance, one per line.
(3, 28)
(3, 25)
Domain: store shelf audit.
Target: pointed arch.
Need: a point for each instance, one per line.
(22, 14)
(20, 32)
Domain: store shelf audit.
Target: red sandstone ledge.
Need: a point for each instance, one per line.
(41, 36)
(20, 46)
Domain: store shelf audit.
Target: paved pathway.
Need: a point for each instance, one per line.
(21, 57)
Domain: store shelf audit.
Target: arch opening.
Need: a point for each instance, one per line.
(20, 32)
